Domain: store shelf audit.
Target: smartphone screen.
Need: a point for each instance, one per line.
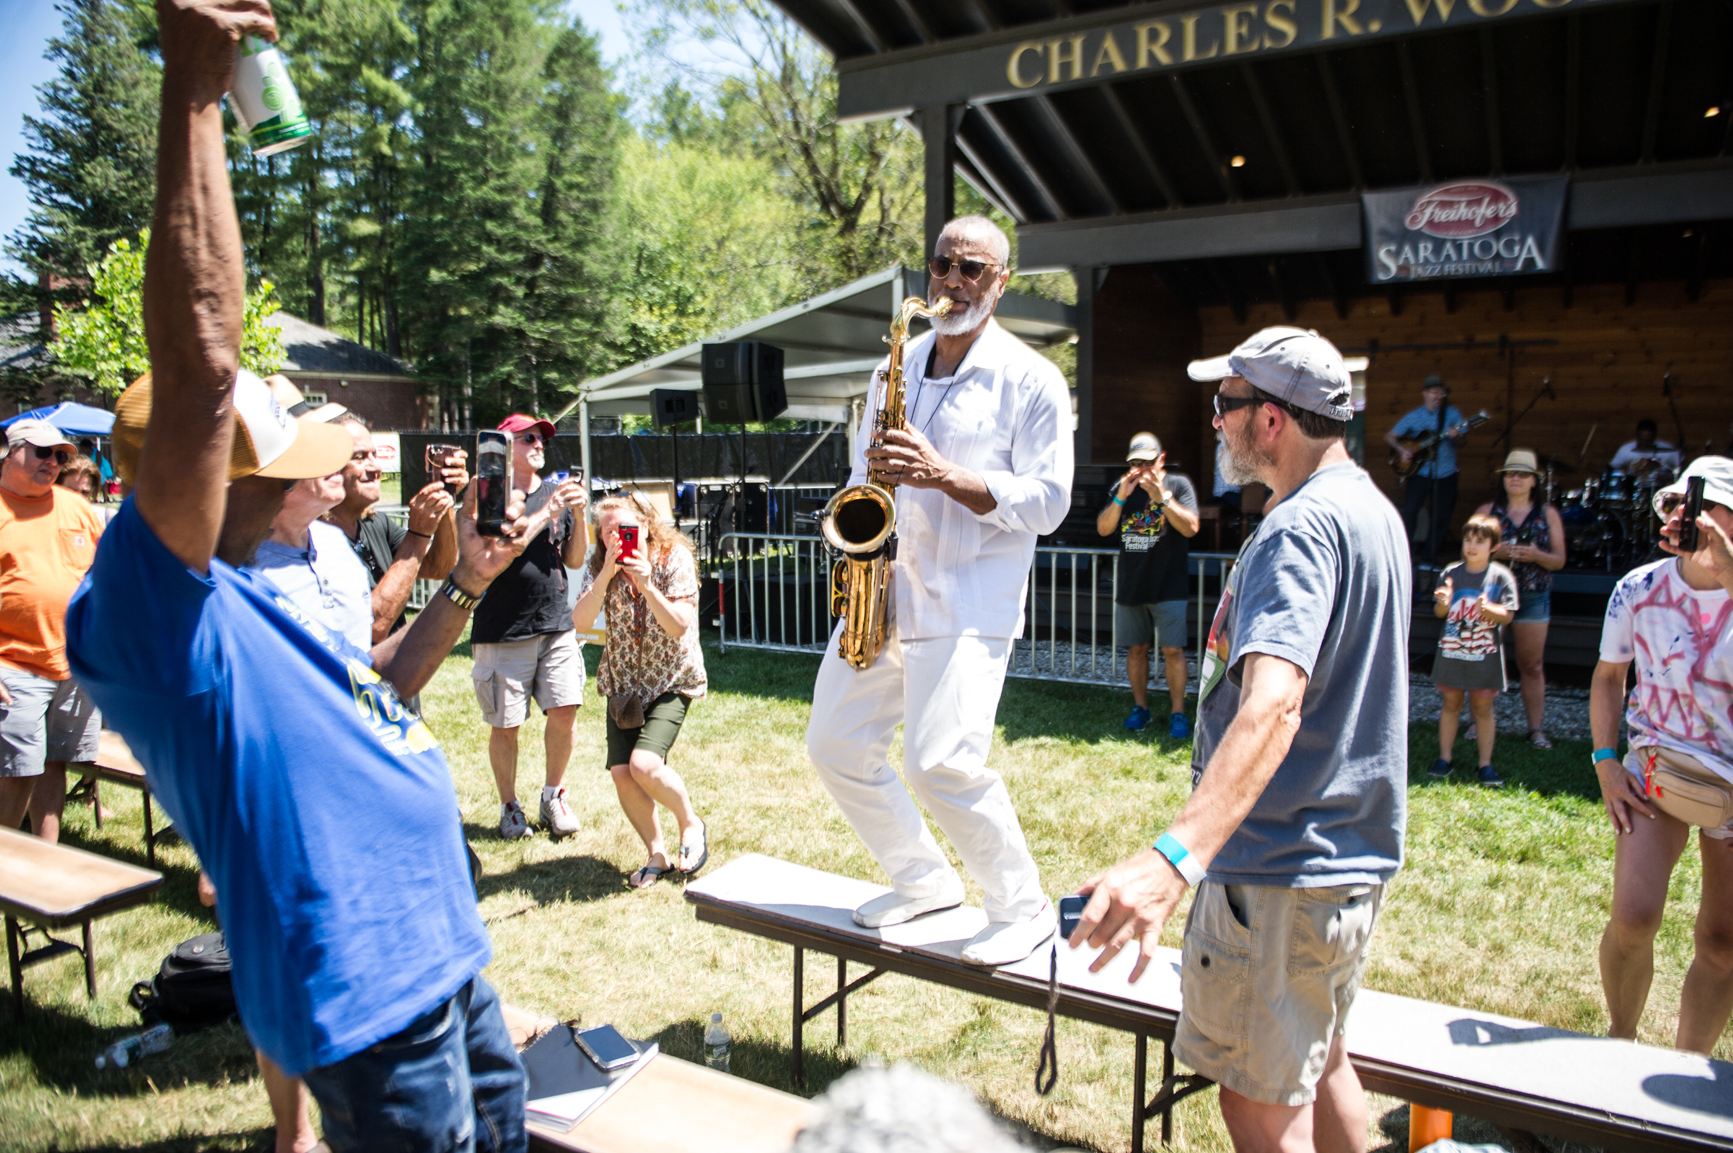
(1070, 912)
(1694, 489)
(492, 484)
(628, 541)
(606, 1047)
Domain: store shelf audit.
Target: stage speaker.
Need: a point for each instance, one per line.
(743, 382)
(670, 406)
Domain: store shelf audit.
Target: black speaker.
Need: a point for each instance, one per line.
(743, 382)
(669, 406)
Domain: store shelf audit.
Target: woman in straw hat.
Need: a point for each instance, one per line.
(1534, 548)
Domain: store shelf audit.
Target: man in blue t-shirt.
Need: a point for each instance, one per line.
(1300, 765)
(1435, 479)
(319, 804)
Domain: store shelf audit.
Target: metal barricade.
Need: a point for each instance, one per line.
(775, 594)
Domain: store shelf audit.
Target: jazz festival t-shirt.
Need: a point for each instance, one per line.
(1324, 584)
(321, 807)
(1465, 637)
(1153, 555)
(1681, 639)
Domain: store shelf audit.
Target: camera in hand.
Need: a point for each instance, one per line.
(492, 479)
(1070, 913)
(1694, 489)
(628, 541)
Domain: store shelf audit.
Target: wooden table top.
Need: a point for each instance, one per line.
(54, 885)
(115, 762)
(673, 1104)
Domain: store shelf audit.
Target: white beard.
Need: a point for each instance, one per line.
(1242, 465)
(956, 323)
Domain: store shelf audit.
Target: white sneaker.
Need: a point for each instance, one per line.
(1007, 942)
(512, 822)
(556, 814)
(893, 908)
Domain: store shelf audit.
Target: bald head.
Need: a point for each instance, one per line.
(983, 232)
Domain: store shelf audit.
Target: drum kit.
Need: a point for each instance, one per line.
(1609, 520)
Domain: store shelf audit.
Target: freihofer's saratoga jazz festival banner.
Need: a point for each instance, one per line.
(1466, 228)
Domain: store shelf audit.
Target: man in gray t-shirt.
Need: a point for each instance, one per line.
(1300, 764)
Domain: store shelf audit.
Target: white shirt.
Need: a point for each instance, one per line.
(1661, 451)
(1007, 415)
(1681, 639)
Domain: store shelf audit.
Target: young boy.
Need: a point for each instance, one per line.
(1476, 597)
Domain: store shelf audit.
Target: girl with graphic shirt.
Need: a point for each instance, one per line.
(651, 668)
(1475, 598)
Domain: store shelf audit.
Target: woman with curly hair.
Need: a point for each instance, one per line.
(652, 668)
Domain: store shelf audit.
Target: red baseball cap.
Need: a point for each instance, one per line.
(518, 422)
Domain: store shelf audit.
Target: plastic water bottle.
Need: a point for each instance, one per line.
(717, 1043)
(129, 1049)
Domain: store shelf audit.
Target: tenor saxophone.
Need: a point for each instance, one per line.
(860, 521)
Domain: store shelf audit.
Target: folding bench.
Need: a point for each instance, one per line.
(44, 886)
(1522, 1077)
(115, 763)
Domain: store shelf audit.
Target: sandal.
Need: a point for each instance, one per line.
(1537, 738)
(646, 876)
(686, 850)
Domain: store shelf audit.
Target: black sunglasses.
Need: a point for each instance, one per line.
(1226, 404)
(1672, 500)
(530, 437)
(969, 270)
(60, 455)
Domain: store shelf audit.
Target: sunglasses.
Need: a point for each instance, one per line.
(1667, 503)
(969, 270)
(60, 455)
(530, 437)
(1226, 404)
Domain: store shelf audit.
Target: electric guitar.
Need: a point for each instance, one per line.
(1418, 446)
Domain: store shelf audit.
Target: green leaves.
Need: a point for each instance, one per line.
(103, 341)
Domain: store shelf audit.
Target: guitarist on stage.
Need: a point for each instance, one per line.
(1435, 479)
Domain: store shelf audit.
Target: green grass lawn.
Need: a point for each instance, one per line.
(1499, 909)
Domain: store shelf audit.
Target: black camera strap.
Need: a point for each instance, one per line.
(1047, 1068)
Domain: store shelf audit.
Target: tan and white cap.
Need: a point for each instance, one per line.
(268, 441)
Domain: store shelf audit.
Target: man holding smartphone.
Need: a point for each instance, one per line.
(1154, 512)
(523, 638)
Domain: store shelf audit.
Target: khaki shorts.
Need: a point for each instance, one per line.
(1267, 976)
(507, 674)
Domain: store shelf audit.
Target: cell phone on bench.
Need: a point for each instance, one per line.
(606, 1047)
(1070, 913)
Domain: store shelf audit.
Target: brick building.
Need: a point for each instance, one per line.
(329, 367)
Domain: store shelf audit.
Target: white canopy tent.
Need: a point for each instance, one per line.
(831, 344)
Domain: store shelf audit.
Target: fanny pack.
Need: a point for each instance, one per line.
(1684, 788)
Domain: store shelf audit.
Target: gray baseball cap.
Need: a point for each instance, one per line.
(1294, 365)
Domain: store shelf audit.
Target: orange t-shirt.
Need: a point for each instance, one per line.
(46, 544)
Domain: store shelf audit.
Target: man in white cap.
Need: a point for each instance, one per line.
(1299, 767)
(319, 804)
(1674, 620)
(1154, 513)
(48, 538)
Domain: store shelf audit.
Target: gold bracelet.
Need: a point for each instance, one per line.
(454, 594)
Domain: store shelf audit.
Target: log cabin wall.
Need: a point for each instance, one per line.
(1606, 363)
(1144, 336)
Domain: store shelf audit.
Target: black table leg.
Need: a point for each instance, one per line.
(149, 835)
(16, 969)
(796, 1064)
(1139, 1087)
(89, 962)
(842, 1002)
(1166, 1080)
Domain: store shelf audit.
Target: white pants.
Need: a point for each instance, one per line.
(945, 691)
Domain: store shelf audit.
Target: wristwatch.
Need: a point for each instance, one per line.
(454, 594)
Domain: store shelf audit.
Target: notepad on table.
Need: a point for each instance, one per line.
(565, 1086)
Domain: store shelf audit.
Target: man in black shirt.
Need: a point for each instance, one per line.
(1155, 514)
(522, 634)
(394, 556)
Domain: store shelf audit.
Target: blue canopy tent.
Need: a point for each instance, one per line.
(72, 419)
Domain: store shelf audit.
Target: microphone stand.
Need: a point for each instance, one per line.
(1545, 390)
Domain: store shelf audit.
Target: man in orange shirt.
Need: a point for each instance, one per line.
(48, 538)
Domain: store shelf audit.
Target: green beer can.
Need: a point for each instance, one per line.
(264, 100)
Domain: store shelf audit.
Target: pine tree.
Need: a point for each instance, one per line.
(90, 159)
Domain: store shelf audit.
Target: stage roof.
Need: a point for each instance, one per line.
(1212, 138)
(831, 344)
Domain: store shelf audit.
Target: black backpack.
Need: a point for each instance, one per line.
(192, 990)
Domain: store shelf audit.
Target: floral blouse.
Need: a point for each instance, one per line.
(640, 661)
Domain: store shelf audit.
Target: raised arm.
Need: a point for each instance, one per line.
(195, 284)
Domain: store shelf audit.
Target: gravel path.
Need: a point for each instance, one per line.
(1567, 710)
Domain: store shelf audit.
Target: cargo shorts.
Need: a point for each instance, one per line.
(1267, 976)
(507, 674)
(47, 721)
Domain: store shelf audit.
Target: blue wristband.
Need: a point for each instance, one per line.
(1605, 755)
(1180, 858)
(1118, 500)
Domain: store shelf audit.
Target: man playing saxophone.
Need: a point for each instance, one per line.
(982, 466)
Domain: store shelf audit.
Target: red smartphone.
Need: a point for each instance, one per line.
(628, 541)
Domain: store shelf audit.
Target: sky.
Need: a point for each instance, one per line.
(27, 25)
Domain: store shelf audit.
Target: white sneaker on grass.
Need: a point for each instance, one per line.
(512, 822)
(893, 908)
(557, 816)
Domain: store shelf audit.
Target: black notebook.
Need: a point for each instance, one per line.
(565, 1086)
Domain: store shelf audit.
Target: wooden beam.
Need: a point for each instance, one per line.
(1330, 285)
(1212, 155)
(1657, 79)
(1573, 86)
(917, 21)
(1138, 145)
(1416, 120)
(859, 20)
(1049, 115)
(1344, 135)
(1489, 93)
(1271, 131)
(1013, 207)
(991, 120)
